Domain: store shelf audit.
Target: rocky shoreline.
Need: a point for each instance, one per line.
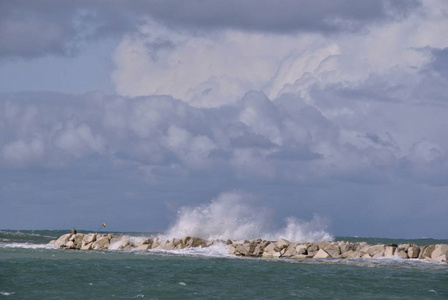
(255, 248)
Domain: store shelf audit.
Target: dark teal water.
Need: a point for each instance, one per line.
(40, 273)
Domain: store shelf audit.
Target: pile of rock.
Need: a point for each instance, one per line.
(255, 248)
(341, 249)
(97, 241)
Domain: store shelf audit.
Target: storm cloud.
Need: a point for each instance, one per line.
(30, 29)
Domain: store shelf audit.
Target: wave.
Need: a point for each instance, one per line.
(235, 216)
(26, 246)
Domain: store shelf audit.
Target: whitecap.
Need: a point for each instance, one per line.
(27, 246)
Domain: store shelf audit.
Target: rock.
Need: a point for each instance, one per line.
(193, 242)
(70, 245)
(77, 240)
(346, 246)
(258, 250)
(402, 254)
(87, 246)
(375, 251)
(62, 240)
(271, 250)
(138, 241)
(404, 247)
(101, 243)
(321, 254)
(349, 254)
(366, 255)
(144, 247)
(427, 252)
(282, 243)
(333, 250)
(290, 251)
(166, 246)
(440, 253)
(89, 238)
(74, 230)
(231, 249)
(413, 251)
(389, 251)
(245, 249)
(301, 249)
(312, 250)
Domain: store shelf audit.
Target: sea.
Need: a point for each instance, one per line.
(31, 269)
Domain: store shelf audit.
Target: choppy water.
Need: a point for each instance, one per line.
(31, 270)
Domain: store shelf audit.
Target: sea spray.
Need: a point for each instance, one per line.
(234, 215)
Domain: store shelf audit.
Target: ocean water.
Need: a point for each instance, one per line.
(30, 269)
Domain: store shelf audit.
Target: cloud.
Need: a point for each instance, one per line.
(30, 29)
(347, 122)
(96, 148)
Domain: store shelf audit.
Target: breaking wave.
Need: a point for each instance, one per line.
(235, 216)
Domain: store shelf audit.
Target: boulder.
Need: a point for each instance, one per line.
(69, 245)
(62, 240)
(193, 242)
(86, 246)
(413, 251)
(389, 251)
(312, 250)
(271, 250)
(78, 238)
(301, 249)
(282, 243)
(402, 254)
(375, 251)
(101, 243)
(231, 249)
(144, 247)
(138, 241)
(321, 254)
(440, 253)
(427, 252)
(349, 254)
(245, 249)
(290, 251)
(333, 250)
(89, 238)
(346, 246)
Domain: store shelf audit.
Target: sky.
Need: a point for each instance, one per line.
(131, 112)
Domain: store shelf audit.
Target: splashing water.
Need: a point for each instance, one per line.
(234, 216)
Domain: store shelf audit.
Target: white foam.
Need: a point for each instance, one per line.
(235, 216)
(27, 246)
(7, 293)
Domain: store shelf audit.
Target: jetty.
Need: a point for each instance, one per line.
(256, 247)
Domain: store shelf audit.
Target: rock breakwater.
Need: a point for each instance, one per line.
(255, 248)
